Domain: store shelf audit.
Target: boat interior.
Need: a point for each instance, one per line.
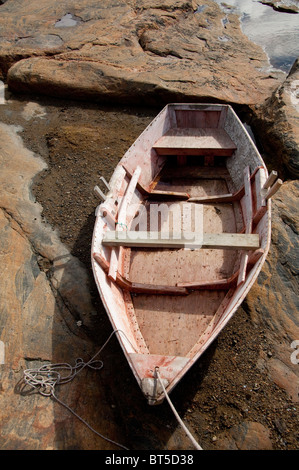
(201, 164)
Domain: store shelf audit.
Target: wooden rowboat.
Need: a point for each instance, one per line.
(180, 238)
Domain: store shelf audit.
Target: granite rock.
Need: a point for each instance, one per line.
(247, 436)
(278, 125)
(139, 52)
(131, 51)
(273, 300)
(45, 304)
(286, 6)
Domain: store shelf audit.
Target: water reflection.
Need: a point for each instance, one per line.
(277, 32)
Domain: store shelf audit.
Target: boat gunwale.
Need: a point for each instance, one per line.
(239, 292)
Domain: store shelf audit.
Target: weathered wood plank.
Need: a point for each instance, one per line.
(271, 179)
(259, 192)
(234, 241)
(158, 194)
(276, 186)
(109, 208)
(214, 199)
(247, 207)
(122, 220)
(195, 141)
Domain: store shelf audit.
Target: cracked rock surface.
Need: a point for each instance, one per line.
(40, 313)
(129, 50)
(243, 393)
(52, 153)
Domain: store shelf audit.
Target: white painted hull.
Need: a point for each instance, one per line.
(169, 303)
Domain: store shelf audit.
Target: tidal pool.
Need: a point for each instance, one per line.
(276, 31)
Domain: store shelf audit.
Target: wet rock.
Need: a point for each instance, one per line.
(278, 125)
(131, 51)
(273, 300)
(141, 51)
(288, 6)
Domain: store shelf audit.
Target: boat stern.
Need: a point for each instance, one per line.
(153, 390)
(145, 367)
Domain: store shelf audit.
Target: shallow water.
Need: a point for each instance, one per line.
(277, 32)
(67, 21)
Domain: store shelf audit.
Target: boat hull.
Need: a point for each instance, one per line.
(167, 301)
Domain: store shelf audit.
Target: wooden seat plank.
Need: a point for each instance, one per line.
(195, 141)
(235, 241)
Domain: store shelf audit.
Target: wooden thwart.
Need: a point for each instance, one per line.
(234, 241)
(195, 141)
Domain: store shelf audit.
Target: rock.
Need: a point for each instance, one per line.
(288, 6)
(24, 216)
(127, 51)
(247, 436)
(278, 125)
(273, 300)
(49, 298)
(144, 52)
(282, 375)
(46, 295)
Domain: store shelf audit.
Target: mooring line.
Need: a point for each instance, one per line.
(194, 442)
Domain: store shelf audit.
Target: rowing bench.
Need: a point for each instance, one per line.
(234, 241)
(207, 142)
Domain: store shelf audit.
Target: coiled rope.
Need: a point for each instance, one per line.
(48, 376)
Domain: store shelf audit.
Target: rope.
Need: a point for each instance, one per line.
(46, 377)
(194, 442)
